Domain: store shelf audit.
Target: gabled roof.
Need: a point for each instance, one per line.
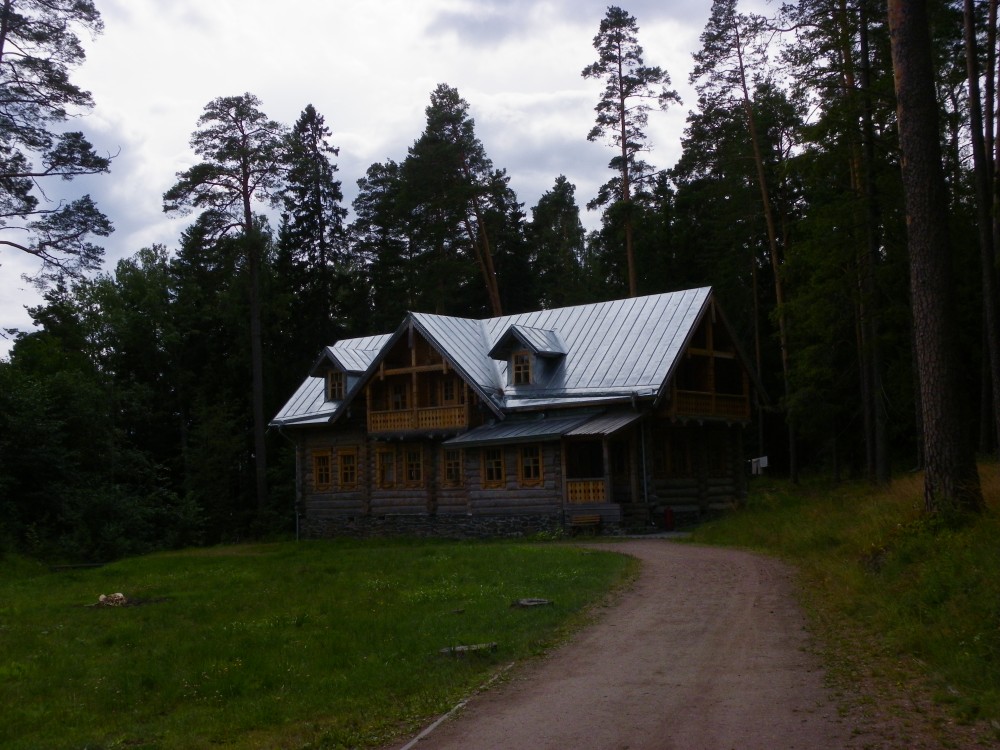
(308, 405)
(350, 355)
(611, 352)
(614, 350)
(544, 343)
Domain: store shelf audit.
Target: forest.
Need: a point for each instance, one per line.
(134, 416)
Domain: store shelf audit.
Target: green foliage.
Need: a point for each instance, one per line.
(623, 109)
(39, 47)
(556, 243)
(893, 586)
(332, 644)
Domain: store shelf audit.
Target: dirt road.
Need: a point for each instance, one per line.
(708, 650)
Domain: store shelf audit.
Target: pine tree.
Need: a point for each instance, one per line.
(38, 49)
(243, 163)
(951, 479)
(622, 116)
(448, 192)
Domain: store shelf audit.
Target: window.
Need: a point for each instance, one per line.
(348, 468)
(322, 477)
(530, 465)
(335, 386)
(413, 458)
(399, 399)
(521, 368)
(452, 391)
(493, 469)
(452, 467)
(385, 467)
(430, 393)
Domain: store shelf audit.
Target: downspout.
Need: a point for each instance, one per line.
(642, 444)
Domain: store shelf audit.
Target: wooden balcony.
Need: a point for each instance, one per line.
(582, 491)
(423, 419)
(702, 404)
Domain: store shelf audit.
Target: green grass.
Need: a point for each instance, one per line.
(895, 592)
(308, 645)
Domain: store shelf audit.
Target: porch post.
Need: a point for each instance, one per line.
(606, 450)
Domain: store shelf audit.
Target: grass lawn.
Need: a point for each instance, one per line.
(295, 645)
(897, 595)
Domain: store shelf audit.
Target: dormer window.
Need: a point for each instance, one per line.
(532, 354)
(520, 368)
(336, 385)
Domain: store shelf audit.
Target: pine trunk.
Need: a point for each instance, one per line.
(982, 170)
(951, 478)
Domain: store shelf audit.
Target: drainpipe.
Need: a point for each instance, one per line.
(642, 443)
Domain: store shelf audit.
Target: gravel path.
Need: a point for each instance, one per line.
(708, 650)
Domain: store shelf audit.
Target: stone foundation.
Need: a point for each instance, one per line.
(438, 526)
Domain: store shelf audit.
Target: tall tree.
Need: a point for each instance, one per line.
(730, 65)
(623, 113)
(380, 236)
(557, 242)
(449, 191)
(243, 154)
(316, 269)
(951, 479)
(839, 63)
(983, 177)
(38, 48)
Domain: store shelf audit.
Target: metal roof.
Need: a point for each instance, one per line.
(542, 342)
(543, 428)
(463, 342)
(531, 430)
(352, 355)
(605, 424)
(308, 403)
(614, 351)
(624, 346)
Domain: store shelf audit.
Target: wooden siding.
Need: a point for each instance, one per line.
(514, 498)
(697, 466)
(710, 381)
(689, 467)
(334, 501)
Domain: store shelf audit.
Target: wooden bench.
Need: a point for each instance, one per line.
(590, 522)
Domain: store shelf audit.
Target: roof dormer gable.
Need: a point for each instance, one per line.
(538, 341)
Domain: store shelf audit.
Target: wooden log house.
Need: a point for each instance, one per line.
(622, 414)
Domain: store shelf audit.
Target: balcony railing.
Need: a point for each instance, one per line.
(585, 490)
(698, 403)
(429, 418)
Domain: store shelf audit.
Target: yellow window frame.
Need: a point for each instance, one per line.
(385, 468)
(494, 469)
(336, 385)
(520, 363)
(413, 465)
(453, 463)
(347, 468)
(529, 465)
(322, 466)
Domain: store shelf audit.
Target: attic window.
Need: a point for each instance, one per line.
(335, 386)
(521, 368)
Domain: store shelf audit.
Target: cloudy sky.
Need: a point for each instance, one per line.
(368, 66)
